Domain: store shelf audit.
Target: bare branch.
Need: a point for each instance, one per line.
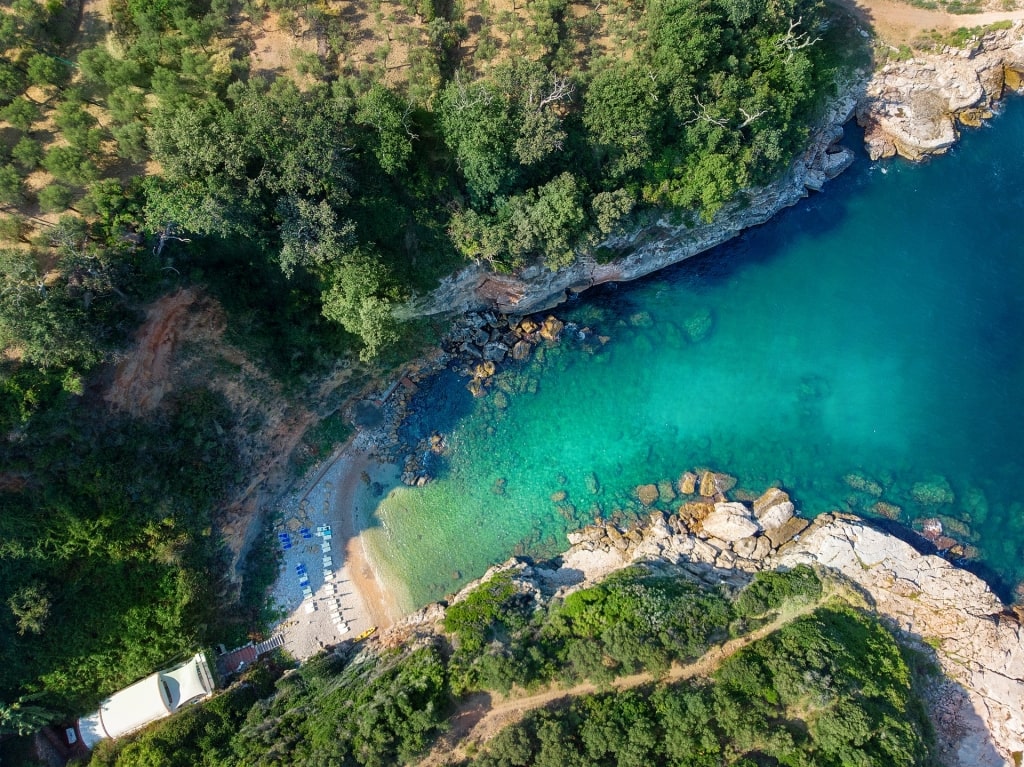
(794, 41)
(561, 88)
(749, 118)
(705, 116)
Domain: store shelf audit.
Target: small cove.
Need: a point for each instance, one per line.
(864, 346)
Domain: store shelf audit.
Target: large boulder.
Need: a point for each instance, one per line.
(712, 483)
(773, 509)
(730, 522)
(551, 328)
(688, 483)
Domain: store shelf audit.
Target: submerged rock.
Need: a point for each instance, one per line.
(665, 492)
(935, 491)
(647, 494)
(688, 483)
(887, 510)
(863, 484)
(698, 327)
(559, 495)
(592, 483)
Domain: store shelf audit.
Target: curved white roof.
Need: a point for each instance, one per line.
(152, 698)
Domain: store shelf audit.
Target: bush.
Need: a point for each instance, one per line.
(771, 589)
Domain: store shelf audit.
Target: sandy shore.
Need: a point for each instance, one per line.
(337, 495)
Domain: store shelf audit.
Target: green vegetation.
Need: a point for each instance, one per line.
(962, 37)
(633, 621)
(308, 202)
(828, 688)
(374, 711)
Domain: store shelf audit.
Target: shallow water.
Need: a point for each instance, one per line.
(875, 329)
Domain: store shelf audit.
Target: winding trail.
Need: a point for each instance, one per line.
(480, 717)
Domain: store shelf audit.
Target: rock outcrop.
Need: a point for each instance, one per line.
(941, 609)
(912, 107)
(977, 643)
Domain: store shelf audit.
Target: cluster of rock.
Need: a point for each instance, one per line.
(950, 535)
(486, 339)
(711, 533)
(912, 108)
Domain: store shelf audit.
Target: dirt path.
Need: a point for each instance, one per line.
(899, 23)
(479, 718)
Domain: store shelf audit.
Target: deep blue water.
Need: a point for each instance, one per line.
(876, 330)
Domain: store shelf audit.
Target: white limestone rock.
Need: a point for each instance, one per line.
(730, 522)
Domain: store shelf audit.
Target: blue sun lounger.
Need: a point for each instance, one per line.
(286, 542)
(306, 533)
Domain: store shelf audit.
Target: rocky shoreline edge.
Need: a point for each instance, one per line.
(943, 611)
(910, 108)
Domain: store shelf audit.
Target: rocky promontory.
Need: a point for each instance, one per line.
(944, 611)
(913, 108)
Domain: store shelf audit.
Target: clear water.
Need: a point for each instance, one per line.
(874, 329)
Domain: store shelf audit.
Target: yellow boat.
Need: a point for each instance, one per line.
(366, 634)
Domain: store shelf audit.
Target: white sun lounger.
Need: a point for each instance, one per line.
(328, 562)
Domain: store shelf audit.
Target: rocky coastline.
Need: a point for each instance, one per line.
(649, 248)
(910, 108)
(914, 108)
(945, 612)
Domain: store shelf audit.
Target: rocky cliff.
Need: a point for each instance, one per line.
(913, 108)
(650, 248)
(948, 613)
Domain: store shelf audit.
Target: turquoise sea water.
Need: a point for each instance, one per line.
(876, 329)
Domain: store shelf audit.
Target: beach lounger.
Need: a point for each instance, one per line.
(325, 547)
(307, 592)
(305, 533)
(310, 607)
(286, 542)
(328, 562)
(300, 568)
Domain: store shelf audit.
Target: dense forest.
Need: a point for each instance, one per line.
(829, 686)
(308, 197)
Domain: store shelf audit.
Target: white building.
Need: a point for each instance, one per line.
(155, 697)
